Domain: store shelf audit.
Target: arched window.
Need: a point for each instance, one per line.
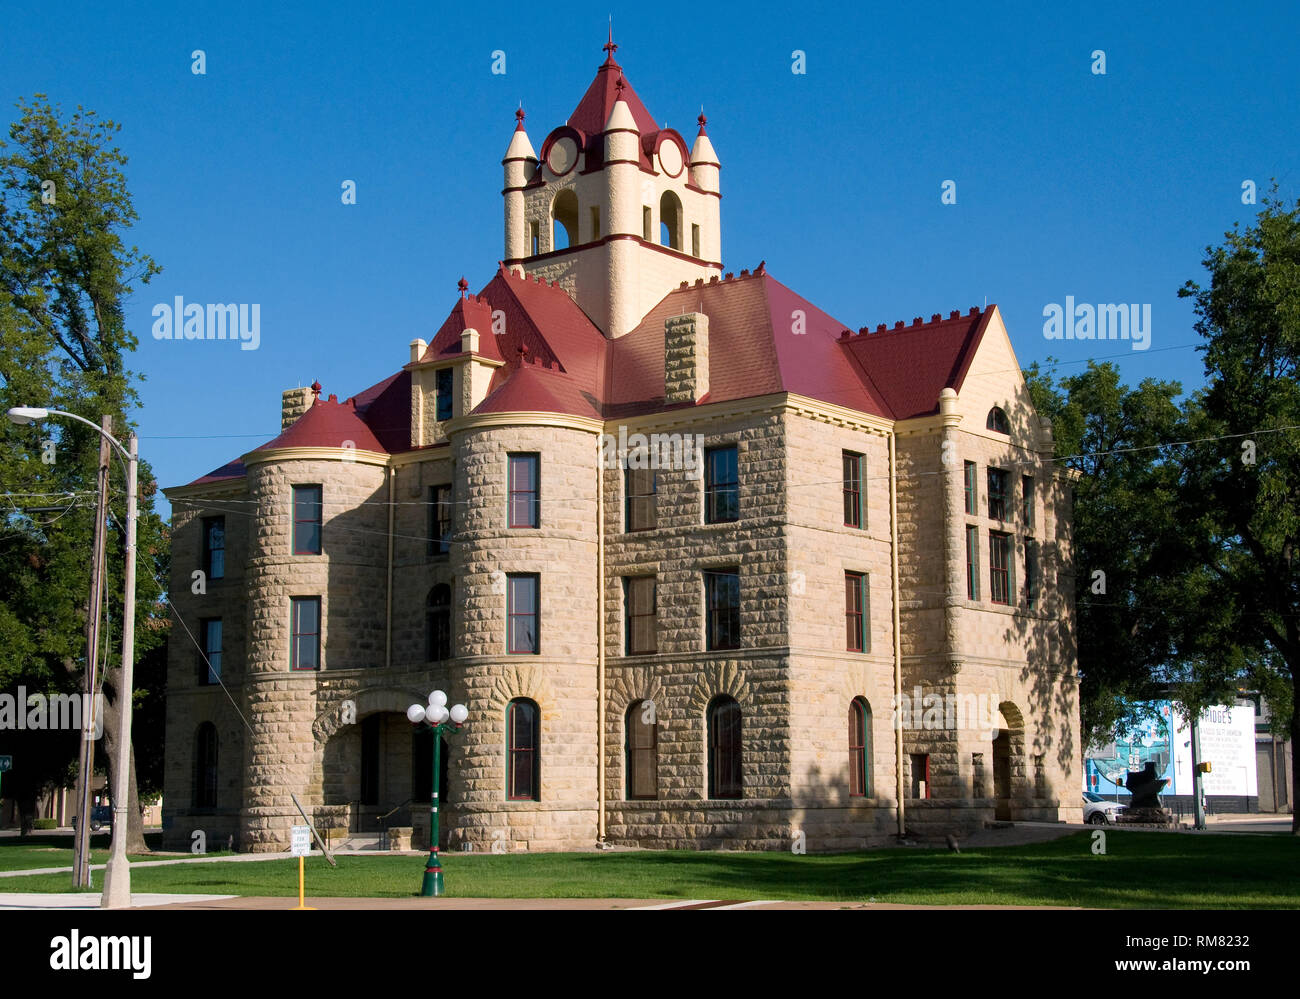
(997, 421)
(205, 766)
(523, 739)
(725, 779)
(437, 624)
(564, 218)
(859, 748)
(670, 221)
(642, 736)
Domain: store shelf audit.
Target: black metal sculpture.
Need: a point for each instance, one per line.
(1144, 787)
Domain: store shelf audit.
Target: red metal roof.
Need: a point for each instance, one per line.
(329, 423)
(913, 364)
(763, 339)
(593, 111)
(229, 471)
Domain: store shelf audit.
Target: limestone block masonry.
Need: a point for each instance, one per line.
(890, 608)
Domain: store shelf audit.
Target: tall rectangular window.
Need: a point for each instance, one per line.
(997, 494)
(972, 562)
(920, 775)
(641, 625)
(853, 513)
(210, 671)
(1027, 501)
(214, 547)
(721, 485)
(640, 508)
(595, 222)
(523, 500)
(856, 617)
(969, 475)
(304, 648)
(695, 240)
(306, 520)
(523, 741)
(439, 520)
(1031, 572)
(534, 238)
(521, 614)
(999, 567)
(645, 223)
(446, 378)
(722, 609)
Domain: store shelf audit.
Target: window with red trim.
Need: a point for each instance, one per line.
(859, 748)
(304, 613)
(523, 500)
(855, 612)
(306, 520)
(523, 739)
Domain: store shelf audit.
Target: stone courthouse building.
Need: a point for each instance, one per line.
(679, 540)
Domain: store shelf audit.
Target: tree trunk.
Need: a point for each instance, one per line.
(134, 820)
(26, 813)
(1295, 743)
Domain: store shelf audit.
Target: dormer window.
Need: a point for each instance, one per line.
(443, 391)
(997, 421)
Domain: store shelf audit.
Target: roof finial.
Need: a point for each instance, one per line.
(702, 120)
(619, 85)
(609, 46)
(315, 390)
(463, 285)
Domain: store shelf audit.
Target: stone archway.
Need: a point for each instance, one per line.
(1008, 760)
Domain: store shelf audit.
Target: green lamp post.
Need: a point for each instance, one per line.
(439, 719)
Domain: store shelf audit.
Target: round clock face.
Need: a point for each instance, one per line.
(670, 159)
(563, 156)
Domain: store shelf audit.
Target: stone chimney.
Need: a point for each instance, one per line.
(686, 358)
(293, 403)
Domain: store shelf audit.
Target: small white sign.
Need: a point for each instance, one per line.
(300, 844)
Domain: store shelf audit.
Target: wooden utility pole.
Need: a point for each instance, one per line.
(81, 864)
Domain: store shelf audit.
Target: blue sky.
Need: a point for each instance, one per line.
(1106, 188)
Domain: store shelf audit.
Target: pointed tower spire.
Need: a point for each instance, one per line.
(609, 47)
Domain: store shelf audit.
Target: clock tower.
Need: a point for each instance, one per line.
(615, 209)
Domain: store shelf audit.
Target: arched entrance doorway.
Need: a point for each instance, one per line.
(1008, 759)
(372, 768)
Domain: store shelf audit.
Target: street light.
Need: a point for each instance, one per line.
(117, 878)
(436, 716)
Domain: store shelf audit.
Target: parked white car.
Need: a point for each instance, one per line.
(1098, 811)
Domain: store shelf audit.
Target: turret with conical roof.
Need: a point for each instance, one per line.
(615, 209)
(520, 165)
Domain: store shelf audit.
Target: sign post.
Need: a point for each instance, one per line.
(300, 847)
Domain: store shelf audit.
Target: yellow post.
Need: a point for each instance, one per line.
(302, 886)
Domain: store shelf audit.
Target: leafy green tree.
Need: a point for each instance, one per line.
(1130, 558)
(1242, 500)
(65, 275)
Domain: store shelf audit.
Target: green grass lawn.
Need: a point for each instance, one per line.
(1140, 870)
(43, 850)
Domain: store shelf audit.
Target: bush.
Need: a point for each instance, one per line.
(45, 824)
